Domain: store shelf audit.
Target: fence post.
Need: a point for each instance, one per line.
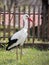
(24, 13)
(48, 22)
(9, 24)
(45, 22)
(29, 23)
(38, 22)
(3, 23)
(0, 24)
(14, 17)
(19, 19)
(33, 23)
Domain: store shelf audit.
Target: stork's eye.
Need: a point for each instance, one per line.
(26, 16)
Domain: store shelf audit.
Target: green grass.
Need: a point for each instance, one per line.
(31, 56)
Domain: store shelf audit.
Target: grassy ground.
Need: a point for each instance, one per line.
(31, 56)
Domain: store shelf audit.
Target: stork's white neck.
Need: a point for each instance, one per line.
(26, 24)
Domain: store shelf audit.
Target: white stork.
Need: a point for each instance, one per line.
(19, 37)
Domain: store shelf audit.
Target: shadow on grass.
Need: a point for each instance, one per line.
(41, 48)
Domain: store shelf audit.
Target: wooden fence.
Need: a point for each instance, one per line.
(11, 22)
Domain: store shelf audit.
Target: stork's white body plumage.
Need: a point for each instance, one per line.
(19, 36)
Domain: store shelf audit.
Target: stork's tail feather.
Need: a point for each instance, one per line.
(7, 48)
(10, 43)
(10, 48)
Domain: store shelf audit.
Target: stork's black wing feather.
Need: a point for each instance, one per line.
(11, 42)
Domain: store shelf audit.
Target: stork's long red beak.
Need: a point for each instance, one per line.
(29, 19)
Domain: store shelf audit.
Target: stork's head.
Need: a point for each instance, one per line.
(26, 17)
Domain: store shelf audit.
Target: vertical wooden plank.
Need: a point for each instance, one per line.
(3, 23)
(29, 23)
(9, 24)
(0, 25)
(43, 23)
(33, 23)
(48, 22)
(38, 23)
(24, 12)
(19, 18)
(24, 9)
(14, 17)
